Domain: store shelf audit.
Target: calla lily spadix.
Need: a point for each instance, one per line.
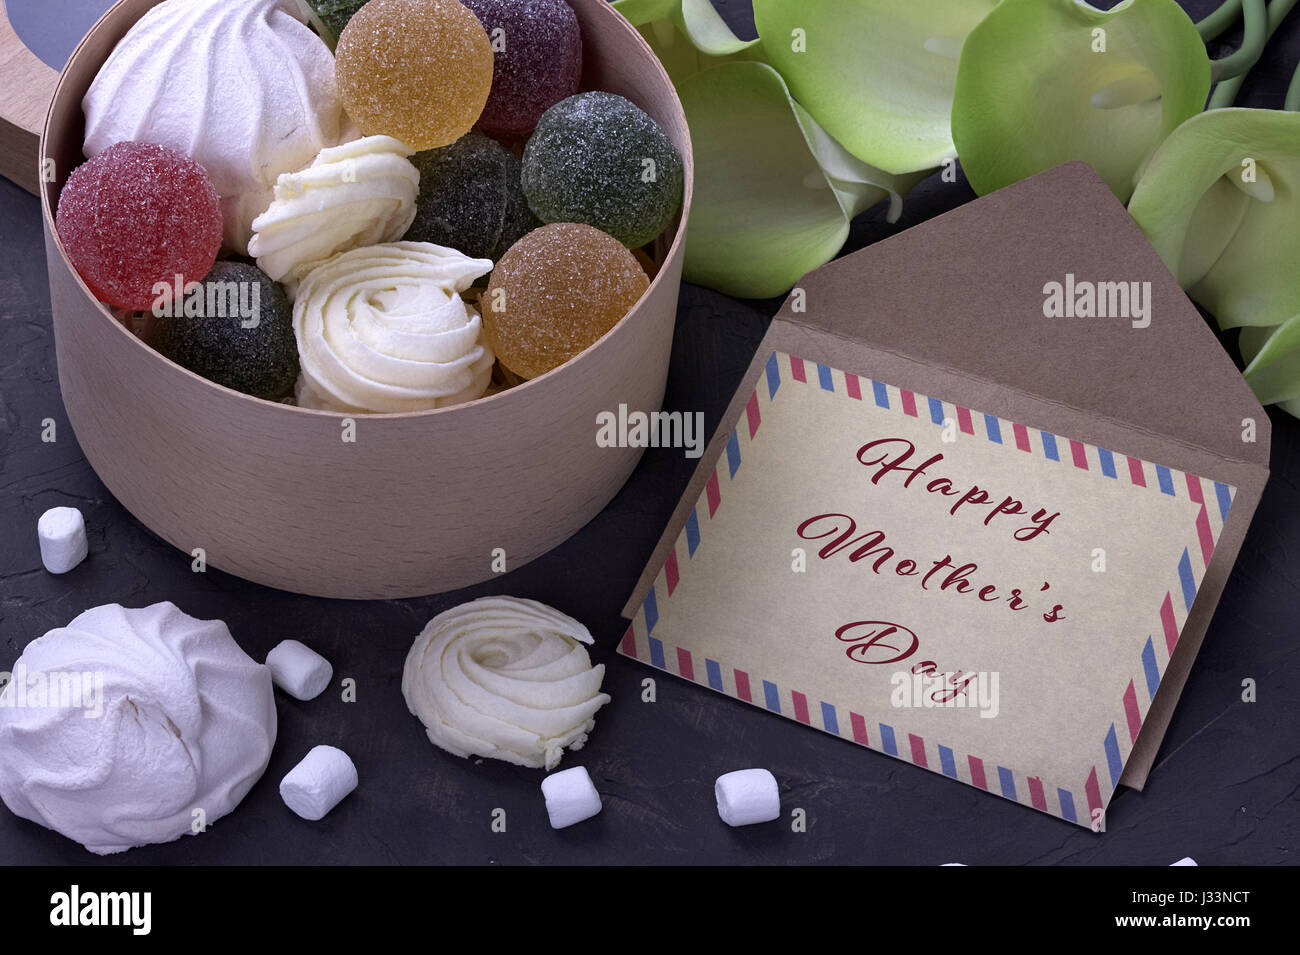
(1043, 82)
(878, 75)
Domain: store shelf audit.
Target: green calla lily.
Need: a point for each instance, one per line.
(1220, 202)
(687, 35)
(1042, 82)
(1273, 363)
(774, 191)
(878, 75)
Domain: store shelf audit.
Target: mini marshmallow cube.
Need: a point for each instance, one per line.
(299, 670)
(318, 783)
(570, 797)
(747, 796)
(62, 533)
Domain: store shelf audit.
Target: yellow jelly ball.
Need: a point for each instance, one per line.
(417, 70)
(554, 293)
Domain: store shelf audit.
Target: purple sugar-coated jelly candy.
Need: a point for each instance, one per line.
(537, 61)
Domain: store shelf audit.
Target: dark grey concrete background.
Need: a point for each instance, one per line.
(1225, 788)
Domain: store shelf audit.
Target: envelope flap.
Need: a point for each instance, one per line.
(970, 292)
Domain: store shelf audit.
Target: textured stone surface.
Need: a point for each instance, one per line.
(1223, 790)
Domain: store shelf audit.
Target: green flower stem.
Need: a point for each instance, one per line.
(1218, 22)
(1226, 92)
(1255, 33)
(1292, 102)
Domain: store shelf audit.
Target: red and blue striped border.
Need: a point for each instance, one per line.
(1213, 497)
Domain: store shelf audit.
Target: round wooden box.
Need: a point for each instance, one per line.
(415, 503)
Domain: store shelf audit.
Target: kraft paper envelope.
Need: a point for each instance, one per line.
(973, 504)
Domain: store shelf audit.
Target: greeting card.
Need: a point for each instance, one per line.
(950, 520)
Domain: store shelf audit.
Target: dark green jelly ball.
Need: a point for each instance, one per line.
(598, 159)
(235, 328)
(334, 15)
(470, 198)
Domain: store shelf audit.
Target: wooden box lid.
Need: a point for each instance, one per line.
(36, 39)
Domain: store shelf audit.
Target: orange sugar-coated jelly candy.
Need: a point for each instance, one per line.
(417, 70)
(555, 292)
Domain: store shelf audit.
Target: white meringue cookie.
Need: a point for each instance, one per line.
(243, 87)
(182, 720)
(383, 329)
(505, 678)
(358, 194)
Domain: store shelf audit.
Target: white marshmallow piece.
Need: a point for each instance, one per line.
(62, 532)
(747, 796)
(1185, 860)
(570, 797)
(299, 670)
(318, 783)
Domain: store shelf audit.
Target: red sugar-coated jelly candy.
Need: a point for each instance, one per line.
(135, 215)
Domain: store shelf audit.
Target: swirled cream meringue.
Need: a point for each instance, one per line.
(245, 88)
(118, 728)
(505, 678)
(383, 328)
(358, 194)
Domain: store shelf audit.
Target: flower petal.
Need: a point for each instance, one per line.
(1043, 82)
(1273, 356)
(1231, 241)
(774, 193)
(878, 75)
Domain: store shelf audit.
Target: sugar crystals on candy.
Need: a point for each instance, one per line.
(470, 198)
(332, 16)
(557, 290)
(599, 159)
(538, 50)
(417, 70)
(137, 215)
(236, 329)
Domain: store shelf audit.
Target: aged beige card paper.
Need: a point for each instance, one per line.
(988, 601)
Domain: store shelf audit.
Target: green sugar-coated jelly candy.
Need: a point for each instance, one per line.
(234, 328)
(598, 159)
(331, 16)
(470, 198)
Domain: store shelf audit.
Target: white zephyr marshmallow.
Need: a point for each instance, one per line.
(299, 670)
(352, 196)
(1185, 860)
(245, 89)
(747, 796)
(62, 532)
(319, 783)
(166, 716)
(506, 678)
(570, 797)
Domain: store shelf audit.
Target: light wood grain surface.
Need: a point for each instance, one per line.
(24, 98)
